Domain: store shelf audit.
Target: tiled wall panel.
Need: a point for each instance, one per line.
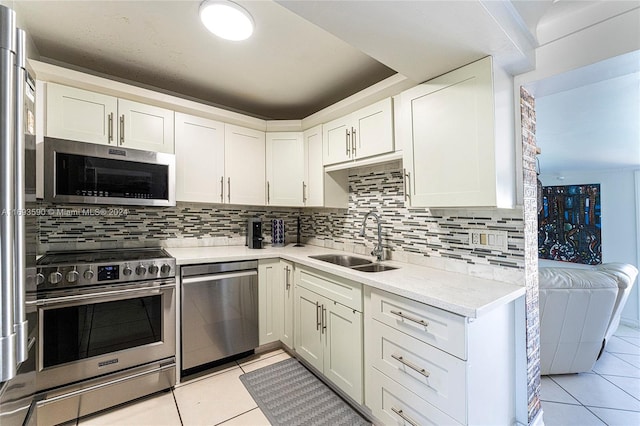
(528, 118)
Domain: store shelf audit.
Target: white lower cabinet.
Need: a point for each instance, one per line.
(275, 301)
(328, 333)
(287, 310)
(427, 366)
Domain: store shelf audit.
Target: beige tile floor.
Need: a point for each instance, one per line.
(217, 398)
(608, 395)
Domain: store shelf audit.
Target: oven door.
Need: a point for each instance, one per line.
(89, 333)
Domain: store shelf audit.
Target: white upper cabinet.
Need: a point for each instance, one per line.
(81, 115)
(313, 170)
(199, 159)
(454, 154)
(86, 116)
(244, 164)
(146, 127)
(285, 169)
(364, 133)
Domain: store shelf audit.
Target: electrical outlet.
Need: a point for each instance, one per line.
(488, 239)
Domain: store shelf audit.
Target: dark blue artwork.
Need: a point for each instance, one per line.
(569, 226)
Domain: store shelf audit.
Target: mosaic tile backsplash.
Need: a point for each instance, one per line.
(432, 237)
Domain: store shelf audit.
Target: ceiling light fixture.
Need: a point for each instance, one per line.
(226, 19)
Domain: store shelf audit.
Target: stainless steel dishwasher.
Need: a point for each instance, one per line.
(219, 311)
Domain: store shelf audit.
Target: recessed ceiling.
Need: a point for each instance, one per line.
(288, 69)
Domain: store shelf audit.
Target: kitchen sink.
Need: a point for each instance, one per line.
(373, 267)
(342, 259)
(353, 262)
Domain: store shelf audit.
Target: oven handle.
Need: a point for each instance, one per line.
(104, 295)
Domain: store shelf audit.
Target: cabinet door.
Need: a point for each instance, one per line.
(314, 170)
(270, 300)
(309, 339)
(343, 361)
(244, 165)
(145, 127)
(199, 159)
(336, 141)
(373, 129)
(287, 329)
(80, 115)
(285, 169)
(450, 151)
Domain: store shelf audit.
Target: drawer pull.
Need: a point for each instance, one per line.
(404, 417)
(412, 366)
(405, 316)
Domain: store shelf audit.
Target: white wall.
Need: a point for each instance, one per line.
(619, 223)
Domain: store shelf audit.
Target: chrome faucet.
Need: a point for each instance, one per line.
(378, 251)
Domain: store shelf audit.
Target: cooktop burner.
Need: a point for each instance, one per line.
(63, 270)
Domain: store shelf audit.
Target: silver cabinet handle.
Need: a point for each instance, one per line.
(407, 317)
(407, 191)
(110, 127)
(304, 191)
(347, 140)
(411, 365)
(286, 279)
(222, 189)
(404, 183)
(318, 322)
(229, 189)
(122, 129)
(324, 319)
(404, 417)
(354, 142)
(268, 193)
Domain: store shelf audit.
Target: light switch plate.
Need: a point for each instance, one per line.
(488, 239)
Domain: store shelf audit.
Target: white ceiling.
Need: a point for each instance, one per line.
(589, 118)
(295, 63)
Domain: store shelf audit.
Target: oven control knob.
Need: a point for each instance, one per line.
(127, 270)
(72, 276)
(141, 270)
(165, 268)
(88, 274)
(153, 269)
(55, 277)
(39, 279)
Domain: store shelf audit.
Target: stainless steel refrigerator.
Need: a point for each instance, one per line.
(18, 225)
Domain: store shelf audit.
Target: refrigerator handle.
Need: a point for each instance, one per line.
(20, 265)
(8, 362)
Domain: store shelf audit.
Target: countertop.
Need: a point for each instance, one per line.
(461, 294)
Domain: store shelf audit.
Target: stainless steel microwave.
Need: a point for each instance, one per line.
(78, 172)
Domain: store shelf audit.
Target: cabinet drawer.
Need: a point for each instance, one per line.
(434, 326)
(345, 292)
(436, 376)
(393, 404)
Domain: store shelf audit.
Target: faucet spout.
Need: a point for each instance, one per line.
(378, 251)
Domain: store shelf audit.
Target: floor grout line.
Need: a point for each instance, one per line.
(177, 407)
(238, 415)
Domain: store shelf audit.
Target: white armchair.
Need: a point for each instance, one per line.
(579, 310)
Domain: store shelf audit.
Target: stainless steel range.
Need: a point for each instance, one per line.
(107, 329)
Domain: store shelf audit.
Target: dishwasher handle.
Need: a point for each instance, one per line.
(217, 277)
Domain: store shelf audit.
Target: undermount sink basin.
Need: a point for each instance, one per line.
(353, 262)
(342, 259)
(373, 267)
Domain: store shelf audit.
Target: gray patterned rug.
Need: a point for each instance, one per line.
(289, 394)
